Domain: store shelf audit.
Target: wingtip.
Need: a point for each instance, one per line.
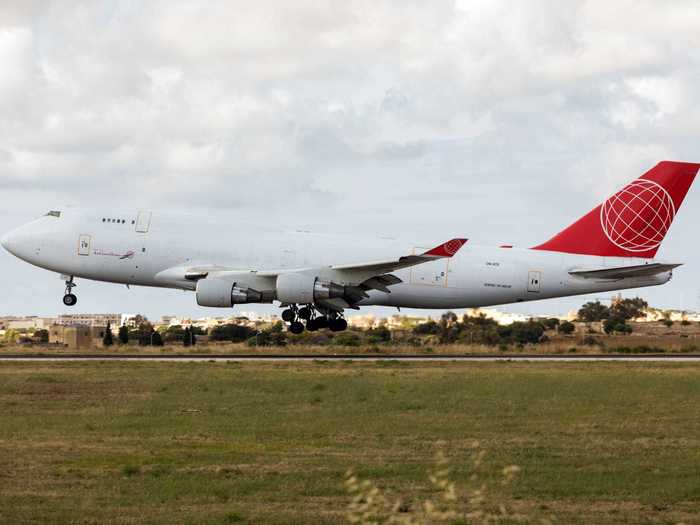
(447, 249)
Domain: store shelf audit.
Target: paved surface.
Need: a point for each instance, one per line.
(349, 357)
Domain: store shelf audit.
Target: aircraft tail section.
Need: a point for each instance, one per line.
(634, 221)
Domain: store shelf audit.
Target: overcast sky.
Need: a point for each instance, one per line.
(504, 121)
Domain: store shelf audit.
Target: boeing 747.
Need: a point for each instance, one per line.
(315, 278)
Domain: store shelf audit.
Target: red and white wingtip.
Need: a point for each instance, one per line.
(447, 249)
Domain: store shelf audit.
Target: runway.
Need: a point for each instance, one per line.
(350, 357)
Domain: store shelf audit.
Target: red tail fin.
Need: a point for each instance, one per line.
(634, 221)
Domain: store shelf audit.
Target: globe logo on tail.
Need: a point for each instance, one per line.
(637, 217)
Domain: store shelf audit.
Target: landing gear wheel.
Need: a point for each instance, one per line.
(296, 327)
(288, 315)
(337, 325)
(312, 325)
(305, 313)
(69, 298)
(321, 322)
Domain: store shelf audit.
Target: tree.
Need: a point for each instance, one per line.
(236, 333)
(108, 338)
(550, 324)
(123, 334)
(519, 332)
(187, 339)
(145, 330)
(566, 328)
(428, 328)
(628, 308)
(139, 320)
(42, 336)
(593, 311)
(157, 339)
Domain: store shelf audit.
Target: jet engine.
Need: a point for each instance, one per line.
(296, 288)
(223, 293)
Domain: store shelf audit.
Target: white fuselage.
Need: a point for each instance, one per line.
(138, 247)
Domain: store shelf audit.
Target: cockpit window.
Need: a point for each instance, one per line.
(53, 213)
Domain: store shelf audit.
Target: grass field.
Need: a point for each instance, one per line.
(271, 443)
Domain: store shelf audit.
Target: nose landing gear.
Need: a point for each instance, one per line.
(69, 298)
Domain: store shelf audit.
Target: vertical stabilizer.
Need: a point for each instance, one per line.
(634, 221)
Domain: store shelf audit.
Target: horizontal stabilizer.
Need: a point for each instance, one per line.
(621, 272)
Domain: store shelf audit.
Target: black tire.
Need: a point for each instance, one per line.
(338, 325)
(312, 325)
(305, 313)
(322, 322)
(70, 299)
(288, 315)
(296, 327)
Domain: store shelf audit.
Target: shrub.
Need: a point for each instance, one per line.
(381, 334)
(347, 339)
(589, 340)
(428, 328)
(269, 337)
(233, 332)
(616, 324)
(522, 333)
(566, 328)
(642, 349)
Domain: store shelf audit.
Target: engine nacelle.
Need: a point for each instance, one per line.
(296, 288)
(222, 293)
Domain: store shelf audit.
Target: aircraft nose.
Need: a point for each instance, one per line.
(8, 241)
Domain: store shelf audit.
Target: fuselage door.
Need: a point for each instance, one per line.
(534, 280)
(143, 221)
(84, 245)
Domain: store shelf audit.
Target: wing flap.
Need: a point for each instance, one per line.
(621, 272)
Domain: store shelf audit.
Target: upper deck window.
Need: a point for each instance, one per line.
(53, 213)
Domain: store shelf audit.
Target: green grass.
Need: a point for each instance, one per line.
(271, 443)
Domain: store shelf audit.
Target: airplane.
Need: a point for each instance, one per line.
(316, 277)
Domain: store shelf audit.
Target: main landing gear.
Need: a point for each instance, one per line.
(314, 318)
(69, 298)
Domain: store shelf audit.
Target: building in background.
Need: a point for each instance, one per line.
(89, 319)
(76, 336)
(28, 323)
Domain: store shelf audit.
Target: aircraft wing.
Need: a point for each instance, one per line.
(357, 278)
(621, 272)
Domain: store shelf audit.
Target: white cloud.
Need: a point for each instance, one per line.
(411, 115)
